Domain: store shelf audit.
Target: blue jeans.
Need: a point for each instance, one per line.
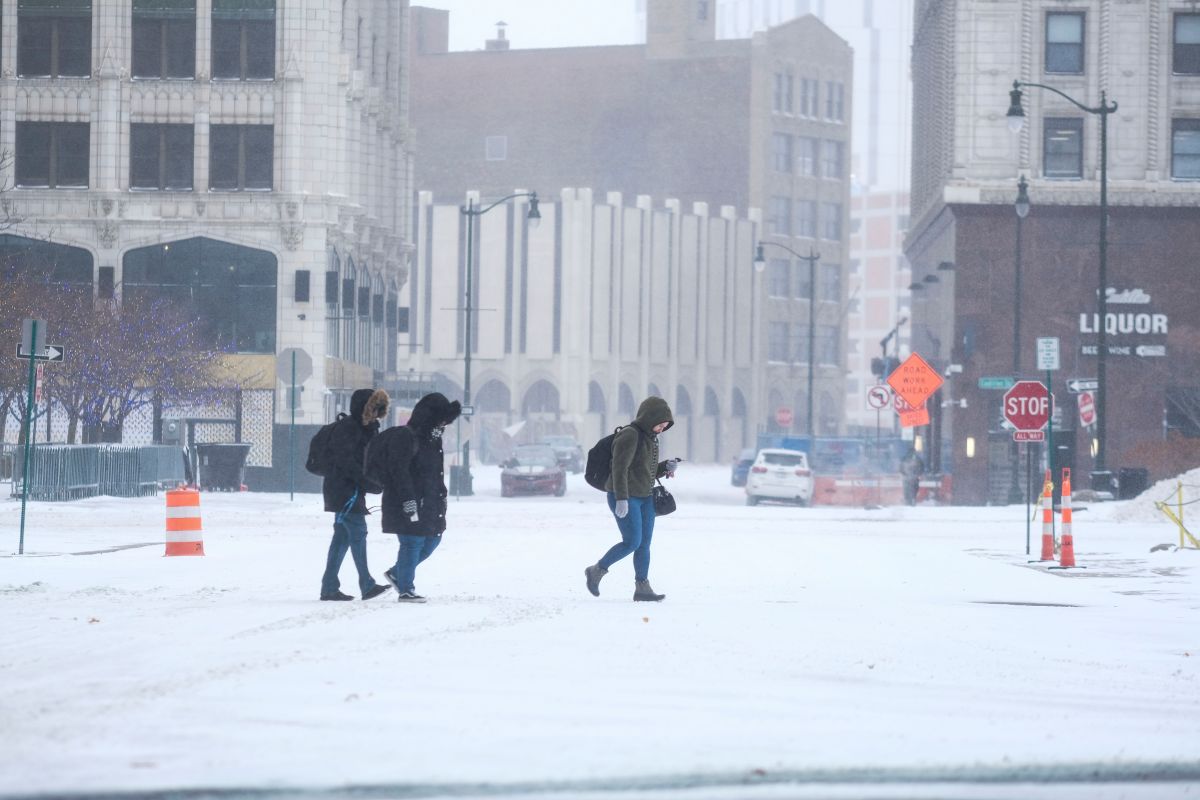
(637, 528)
(349, 533)
(413, 550)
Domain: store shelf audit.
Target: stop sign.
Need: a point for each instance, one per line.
(783, 417)
(1027, 406)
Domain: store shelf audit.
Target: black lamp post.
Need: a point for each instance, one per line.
(760, 263)
(472, 210)
(1021, 206)
(1016, 120)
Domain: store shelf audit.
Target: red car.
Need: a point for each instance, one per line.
(533, 469)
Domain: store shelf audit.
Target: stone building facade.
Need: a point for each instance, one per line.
(250, 156)
(1144, 55)
(752, 123)
(577, 320)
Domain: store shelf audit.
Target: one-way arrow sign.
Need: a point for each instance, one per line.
(52, 352)
(1077, 385)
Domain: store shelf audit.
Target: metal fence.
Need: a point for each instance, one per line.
(72, 472)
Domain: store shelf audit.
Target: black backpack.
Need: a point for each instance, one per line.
(320, 459)
(599, 460)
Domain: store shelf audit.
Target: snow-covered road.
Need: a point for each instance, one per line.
(792, 640)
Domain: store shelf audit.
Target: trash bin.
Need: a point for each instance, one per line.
(460, 481)
(1102, 484)
(222, 467)
(1132, 481)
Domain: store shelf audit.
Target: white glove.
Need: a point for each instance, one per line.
(409, 507)
(622, 509)
(671, 466)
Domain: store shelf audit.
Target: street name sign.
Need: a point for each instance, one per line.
(996, 382)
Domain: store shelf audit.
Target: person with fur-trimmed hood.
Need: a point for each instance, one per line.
(407, 461)
(344, 488)
(635, 467)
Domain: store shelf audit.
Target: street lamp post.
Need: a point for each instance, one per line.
(760, 263)
(1016, 120)
(1021, 206)
(472, 210)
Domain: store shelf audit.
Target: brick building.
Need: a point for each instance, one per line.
(966, 165)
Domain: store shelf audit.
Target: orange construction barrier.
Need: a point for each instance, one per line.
(1048, 519)
(1066, 557)
(183, 523)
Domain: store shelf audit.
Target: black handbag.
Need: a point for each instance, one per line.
(664, 501)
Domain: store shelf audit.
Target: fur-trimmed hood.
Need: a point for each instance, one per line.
(369, 405)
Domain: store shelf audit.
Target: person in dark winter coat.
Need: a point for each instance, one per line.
(344, 489)
(407, 461)
(635, 467)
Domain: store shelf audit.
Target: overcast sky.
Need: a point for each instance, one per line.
(540, 23)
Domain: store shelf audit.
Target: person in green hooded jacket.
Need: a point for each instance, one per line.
(635, 467)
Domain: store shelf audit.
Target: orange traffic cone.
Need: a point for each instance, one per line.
(183, 523)
(1066, 556)
(1048, 519)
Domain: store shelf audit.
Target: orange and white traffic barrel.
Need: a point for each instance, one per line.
(184, 537)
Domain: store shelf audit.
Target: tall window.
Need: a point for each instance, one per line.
(52, 155)
(779, 277)
(54, 38)
(1064, 42)
(826, 346)
(800, 343)
(833, 159)
(1062, 148)
(777, 341)
(779, 217)
(831, 221)
(806, 156)
(1185, 149)
(835, 101)
(160, 156)
(831, 283)
(243, 39)
(810, 104)
(241, 157)
(1186, 60)
(164, 38)
(804, 285)
(781, 151)
(806, 218)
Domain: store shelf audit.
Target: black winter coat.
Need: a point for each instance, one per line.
(408, 462)
(348, 445)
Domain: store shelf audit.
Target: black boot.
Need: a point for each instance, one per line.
(593, 574)
(642, 591)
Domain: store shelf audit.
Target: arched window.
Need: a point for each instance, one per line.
(596, 404)
(58, 264)
(541, 398)
(739, 403)
(493, 397)
(712, 406)
(625, 400)
(683, 402)
(653, 391)
(231, 288)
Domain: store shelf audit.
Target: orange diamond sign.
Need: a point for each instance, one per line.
(915, 380)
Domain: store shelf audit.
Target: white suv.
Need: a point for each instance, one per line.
(781, 475)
